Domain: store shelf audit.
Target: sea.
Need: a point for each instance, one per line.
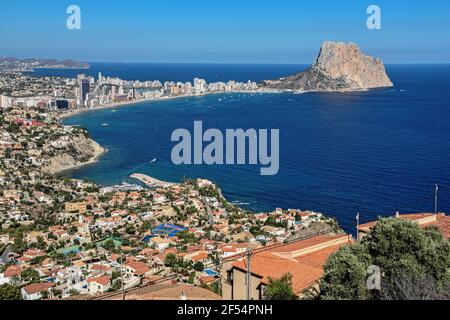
(375, 152)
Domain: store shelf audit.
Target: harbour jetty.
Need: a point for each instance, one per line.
(150, 181)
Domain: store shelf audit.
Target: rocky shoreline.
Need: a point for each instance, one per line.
(84, 151)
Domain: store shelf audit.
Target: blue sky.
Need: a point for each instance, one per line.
(281, 31)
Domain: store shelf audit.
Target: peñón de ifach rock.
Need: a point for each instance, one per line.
(339, 67)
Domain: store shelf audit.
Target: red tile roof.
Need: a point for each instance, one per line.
(13, 271)
(34, 253)
(103, 280)
(200, 256)
(207, 280)
(99, 267)
(305, 269)
(37, 287)
(139, 268)
(443, 223)
(194, 248)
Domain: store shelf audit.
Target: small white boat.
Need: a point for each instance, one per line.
(153, 161)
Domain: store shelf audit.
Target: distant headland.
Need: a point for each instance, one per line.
(24, 65)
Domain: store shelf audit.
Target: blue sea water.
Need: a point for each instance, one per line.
(371, 152)
(179, 71)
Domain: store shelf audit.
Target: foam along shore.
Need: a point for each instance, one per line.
(150, 181)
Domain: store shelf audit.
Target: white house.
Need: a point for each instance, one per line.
(36, 291)
(160, 244)
(99, 285)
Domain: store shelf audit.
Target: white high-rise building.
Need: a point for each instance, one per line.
(199, 86)
(5, 102)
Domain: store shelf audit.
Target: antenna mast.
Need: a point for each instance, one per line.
(436, 195)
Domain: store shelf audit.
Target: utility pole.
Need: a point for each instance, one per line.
(121, 274)
(220, 270)
(436, 194)
(249, 274)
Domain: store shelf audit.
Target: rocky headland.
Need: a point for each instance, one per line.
(340, 67)
(81, 151)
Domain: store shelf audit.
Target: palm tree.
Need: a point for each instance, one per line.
(280, 289)
(312, 293)
(15, 280)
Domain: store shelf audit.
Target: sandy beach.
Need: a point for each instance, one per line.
(74, 112)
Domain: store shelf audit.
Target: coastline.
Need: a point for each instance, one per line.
(64, 115)
(94, 159)
(86, 148)
(74, 112)
(98, 155)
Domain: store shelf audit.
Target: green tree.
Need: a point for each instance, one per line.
(346, 273)
(115, 275)
(187, 237)
(414, 264)
(199, 266)
(401, 247)
(191, 279)
(171, 260)
(19, 245)
(116, 285)
(9, 292)
(109, 245)
(41, 243)
(30, 276)
(280, 289)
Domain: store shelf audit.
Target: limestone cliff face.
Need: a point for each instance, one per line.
(80, 151)
(339, 67)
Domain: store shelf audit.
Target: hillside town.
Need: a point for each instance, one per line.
(61, 237)
(64, 238)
